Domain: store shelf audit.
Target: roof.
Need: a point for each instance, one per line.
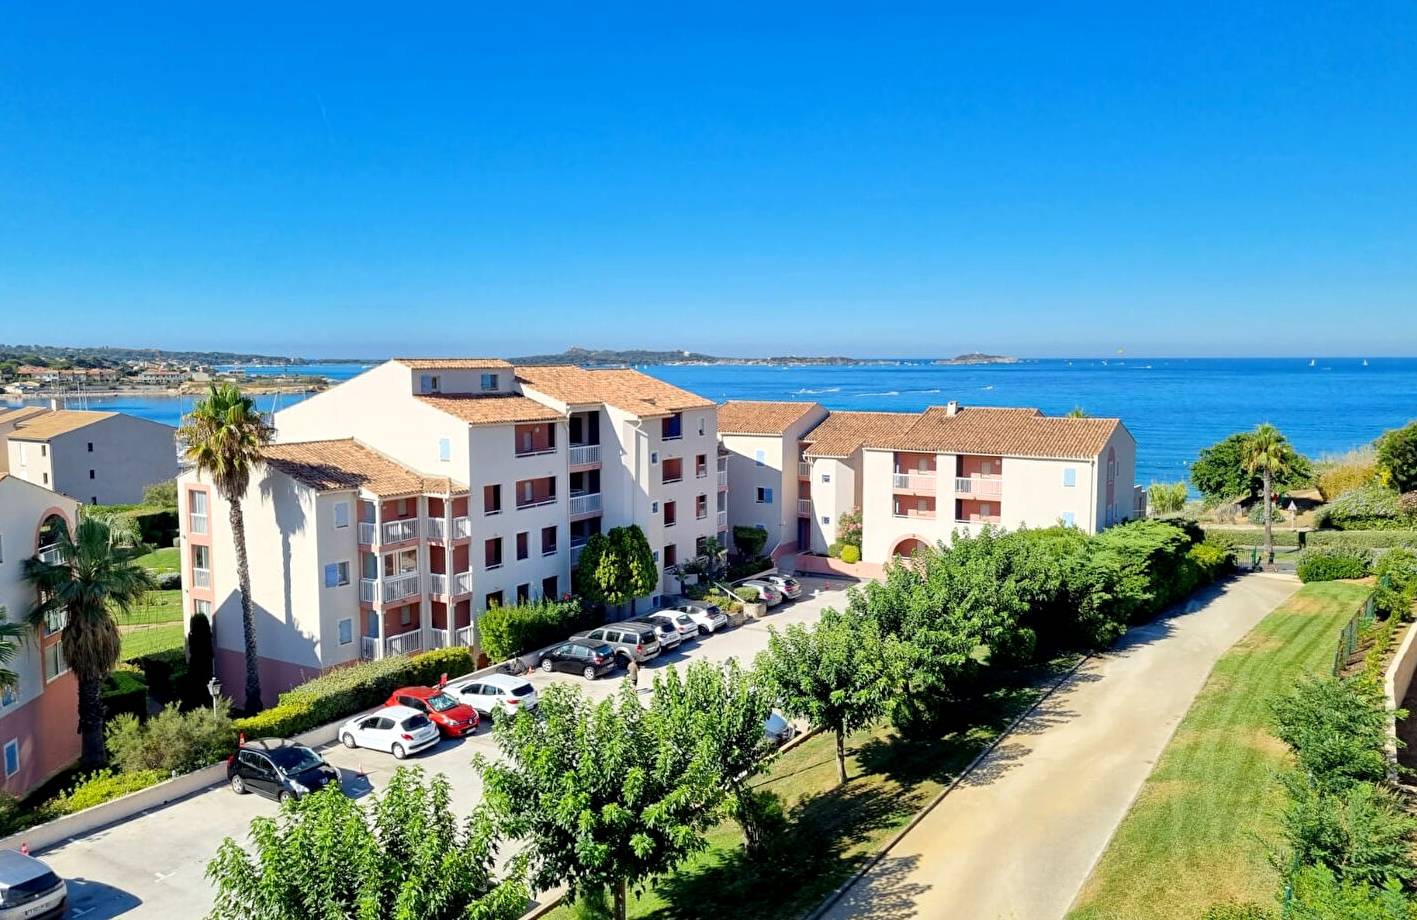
(1002, 432)
(336, 466)
(24, 412)
(54, 422)
(841, 434)
(501, 409)
(625, 389)
(746, 416)
(451, 364)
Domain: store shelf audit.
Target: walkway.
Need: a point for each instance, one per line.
(1017, 839)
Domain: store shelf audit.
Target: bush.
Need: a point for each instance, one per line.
(1213, 558)
(1237, 536)
(1166, 497)
(1337, 729)
(125, 692)
(1233, 911)
(749, 540)
(1256, 515)
(99, 787)
(1152, 565)
(1397, 457)
(173, 741)
(1332, 564)
(748, 595)
(1369, 508)
(850, 554)
(166, 673)
(283, 720)
(1346, 472)
(199, 658)
(848, 528)
(749, 566)
(506, 632)
(1361, 539)
(834, 550)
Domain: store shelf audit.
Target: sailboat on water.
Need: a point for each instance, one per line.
(1311, 362)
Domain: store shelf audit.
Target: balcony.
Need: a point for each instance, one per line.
(723, 520)
(576, 549)
(536, 502)
(979, 519)
(52, 555)
(201, 578)
(804, 469)
(368, 590)
(405, 643)
(804, 507)
(722, 480)
(585, 503)
(462, 583)
(979, 486)
(437, 528)
(366, 533)
(390, 588)
(55, 621)
(438, 584)
(462, 528)
(398, 531)
(923, 513)
(919, 481)
(537, 451)
(584, 454)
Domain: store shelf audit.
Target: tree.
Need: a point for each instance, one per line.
(404, 858)
(750, 540)
(11, 637)
(161, 494)
(836, 674)
(1166, 497)
(1267, 454)
(1397, 457)
(225, 437)
(1220, 475)
(94, 578)
(617, 569)
(604, 794)
(199, 658)
(584, 581)
(1076, 412)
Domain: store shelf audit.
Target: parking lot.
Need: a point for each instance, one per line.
(152, 865)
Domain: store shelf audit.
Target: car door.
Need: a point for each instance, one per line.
(374, 735)
(575, 659)
(258, 773)
(475, 695)
(412, 702)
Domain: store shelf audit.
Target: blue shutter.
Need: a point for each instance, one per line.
(445, 449)
(331, 575)
(1070, 477)
(767, 496)
(1069, 519)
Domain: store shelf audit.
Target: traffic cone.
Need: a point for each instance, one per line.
(24, 848)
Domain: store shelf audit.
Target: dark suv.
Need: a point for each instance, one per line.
(279, 769)
(579, 656)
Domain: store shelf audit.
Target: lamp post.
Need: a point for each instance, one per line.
(214, 688)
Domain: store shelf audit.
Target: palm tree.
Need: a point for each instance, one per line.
(1268, 455)
(11, 636)
(94, 578)
(225, 438)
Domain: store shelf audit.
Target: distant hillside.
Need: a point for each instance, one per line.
(975, 357)
(602, 357)
(108, 356)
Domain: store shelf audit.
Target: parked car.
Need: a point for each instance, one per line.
(631, 639)
(494, 692)
(768, 592)
(580, 656)
(707, 617)
(279, 769)
(789, 587)
(667, 633)
(397, 729)
(683, 625)
(452, 717)
(29, 889)
(777, 729)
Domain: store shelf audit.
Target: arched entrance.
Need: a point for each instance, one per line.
(908, 547)
(52, 529)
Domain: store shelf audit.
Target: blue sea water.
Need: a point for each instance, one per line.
(1174, 406)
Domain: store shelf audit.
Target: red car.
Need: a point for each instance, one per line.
(452, 718)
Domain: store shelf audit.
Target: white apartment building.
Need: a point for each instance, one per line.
(39, 717)
(770, 479)
(398, 506)
(97, 458)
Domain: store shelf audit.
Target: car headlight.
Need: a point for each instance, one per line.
(299, 788)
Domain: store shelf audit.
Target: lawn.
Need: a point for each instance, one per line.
(161, 560)
(1196, 834)
(156, 607)
(140, 642)
(832, 831)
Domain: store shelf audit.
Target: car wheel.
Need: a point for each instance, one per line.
(238, 785)
(398, 752)
(284, 797)
(546, 665)
(704, 631)
(348, 740)
(588, 673)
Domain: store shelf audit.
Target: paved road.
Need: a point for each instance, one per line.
(152, 865)
(1019, 837)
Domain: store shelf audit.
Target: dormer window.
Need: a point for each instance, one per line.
(489, 382)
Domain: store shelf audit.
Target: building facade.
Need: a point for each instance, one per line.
(39, 716)
(96, 458)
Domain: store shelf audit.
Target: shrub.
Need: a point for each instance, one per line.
(749, 566)
(1166, 497)
(284, 720)
(169, 581)
(506, 632)
(125, 692)
(1213, 558)
(1235, 911)
(1337, 729)
(1397, 457)
(749, 540)
(199, 658)
(166, 673)
(173, 741)
(1346, 472)
(1361, 539)
(834, 550)
(1369, 508)
(1152, 564)
(848, 528)
(1256, 515)
(1237, 536)
(99, 787)
(1332, 564)
(850, 554)
(748, 595)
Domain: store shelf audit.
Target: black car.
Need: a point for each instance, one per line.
(579, 656)
(279, 769)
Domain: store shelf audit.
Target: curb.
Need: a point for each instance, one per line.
(831, 899)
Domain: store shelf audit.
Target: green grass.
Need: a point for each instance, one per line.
(832, 830)
(157, 607)
(1196, 835)
(161, 560)
(154, 639)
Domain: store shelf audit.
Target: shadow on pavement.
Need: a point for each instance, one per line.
(97, 901)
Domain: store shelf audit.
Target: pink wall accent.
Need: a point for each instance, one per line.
(907, 462)
(909, 546)
(52, 511)
(393, 619)
(276, 676)
(439, 614)
(534, 438)
(437, 559)
(973, 510)
(47, 728)
(198, 539)
(435, 507)
(908, 505)
(970, 465)
(462, 614)
(460, 506)
(390, 509)
(825, 565)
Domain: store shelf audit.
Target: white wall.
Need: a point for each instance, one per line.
(22, 509)
(745, 477)
(836, 489)
(129, 454)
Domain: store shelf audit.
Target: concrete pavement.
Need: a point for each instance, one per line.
(1019, 836)
(153, 865)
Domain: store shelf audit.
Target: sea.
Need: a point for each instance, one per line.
(1173, 406)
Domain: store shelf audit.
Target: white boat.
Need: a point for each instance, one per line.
(1311, 362)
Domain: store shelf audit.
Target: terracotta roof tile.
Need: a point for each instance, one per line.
(746, 416)
(625, 389)
(334, 466)
(24, 412)
(1002, 432)
(55, 422)
(506, 409)
(841, 433)
(451, 364)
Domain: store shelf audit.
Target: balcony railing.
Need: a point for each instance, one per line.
(368, 590)
(976, 519)
(576, 553)
(979, 486)
(804, 469)
(918, 481)
(398, 587)
(55, 621)
(586, 503)
(581, 454)
(723, 479)
(201, 578)
(701, 472)
(368, 647)
(437, 528)
(438, 584)
(723, 520)
(928, 513)
(404, 643)
(399, 531)
(462, 528)
(197, 523)
(463, 637)
(366, 533)
(52, 555)
(804, 507)
(462, 583)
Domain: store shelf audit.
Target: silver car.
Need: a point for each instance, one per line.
(682, 624)
(631, 639)
(790, 587)
(29, 890)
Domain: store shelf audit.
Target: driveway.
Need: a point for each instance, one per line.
(1017, 839)
(153, 864)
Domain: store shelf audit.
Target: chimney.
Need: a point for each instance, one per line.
(952, 408)
(53, 404)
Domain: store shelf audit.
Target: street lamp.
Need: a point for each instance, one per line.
(214, 688)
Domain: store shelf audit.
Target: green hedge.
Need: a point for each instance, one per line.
(100, 787)
(345, 691)
(1246, 537)
(1333, 564)
(166, 674)
(1362, 539)
(506, 632)
(125, 691)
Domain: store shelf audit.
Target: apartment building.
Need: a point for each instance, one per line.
(770, 479)
(97, 458)
(39, 716)
(397, 507)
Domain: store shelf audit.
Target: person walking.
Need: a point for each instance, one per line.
(634, 671)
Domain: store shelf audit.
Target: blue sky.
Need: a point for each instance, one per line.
(1058, 179)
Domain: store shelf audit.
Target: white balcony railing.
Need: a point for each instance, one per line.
(588, 503)
(438, 638)
(462, 583)
(463, 637)
(462, 528)
(398, 531)
(723, 520)
(368, 590)
(581, 454)
(197, 523)
(437, 528)
(804, 506)
(915, 482)
(404, 643)
(201, 578)
(438, 584)
(366, 533)
(576, 549)
(804, 469)
(51, 555)
(928, 513)
(979, 486)
(397, 587)
(723, 479)
(55, 621)
(368, 647)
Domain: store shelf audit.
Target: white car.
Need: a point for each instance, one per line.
(777, 729)
(681, 623)
(399, 730)
(769, 593)
(707, 617)
(789, 587)
(28, 888)
(494, 692)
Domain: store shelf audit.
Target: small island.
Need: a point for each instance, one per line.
(975, 357)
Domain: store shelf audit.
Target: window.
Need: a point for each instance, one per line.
(494, 599)
(341, 514)
(702, 429)
(522, 544)
(524, 593)
(46, 480)
(548, 541)
(336, 574)
(201, 557)
(672, 470)
(489, 382)
(654, 507)
(92, 474)
(402, 508)
(54, 663)
(671, 514)
(445, 449)
(701, 546)
(202, 607)
(9, 696)
(1070, 477)
(493, 553)
(1069, 519)
(550, 589)
(406, 615)
(701, 507)
(346, 631)
(492, 499)
(90, 447)
(671, 555)
(700, 466)
(760, 458)
(826, 519)
(2, 548)
(826, 477)
(44, 450)
(764, 496)
(653, 457)
(430, 383)
(12, 757)
(671, 428)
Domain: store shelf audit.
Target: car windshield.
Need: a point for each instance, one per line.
(441, 702)
(647, 637)
(297, 758)
(685, 620)
(522, 690)
(602, 650)
(413, 723)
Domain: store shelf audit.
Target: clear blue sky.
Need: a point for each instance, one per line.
(387, 178)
